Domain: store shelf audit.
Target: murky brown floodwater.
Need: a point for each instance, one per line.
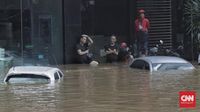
(106, 88)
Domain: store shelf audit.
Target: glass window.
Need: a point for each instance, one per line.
(31, 32)
(171, 66)
(56, 76)
(27, 78)
(140, 64)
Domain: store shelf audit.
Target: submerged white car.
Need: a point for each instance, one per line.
(161, 63)
(33, 73)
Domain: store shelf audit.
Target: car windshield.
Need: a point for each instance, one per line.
(171, 66)
(27, 78)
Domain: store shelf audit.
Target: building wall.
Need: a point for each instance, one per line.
(36, 30)
(72, 28)
(50, 33)
(112, 17)
(54, 28)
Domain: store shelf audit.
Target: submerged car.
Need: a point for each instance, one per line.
(161, 63)
(22, 74)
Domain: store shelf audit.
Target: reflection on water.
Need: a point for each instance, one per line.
(106, 88)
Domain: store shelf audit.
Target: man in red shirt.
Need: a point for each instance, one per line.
(141, 28)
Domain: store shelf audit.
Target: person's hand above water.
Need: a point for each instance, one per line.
(90, 41)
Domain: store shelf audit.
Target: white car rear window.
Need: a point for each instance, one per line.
(27, 78)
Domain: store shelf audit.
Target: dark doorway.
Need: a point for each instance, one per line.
(106, 17)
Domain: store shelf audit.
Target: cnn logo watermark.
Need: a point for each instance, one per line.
(187, 99)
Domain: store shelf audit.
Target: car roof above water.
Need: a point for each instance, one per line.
(31, 69)
(163, 59)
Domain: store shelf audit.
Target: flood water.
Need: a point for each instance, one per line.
(105, 88)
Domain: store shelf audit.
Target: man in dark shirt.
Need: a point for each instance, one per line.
(111, 50)
(84, 57)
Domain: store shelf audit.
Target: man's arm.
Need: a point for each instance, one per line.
(89, 39)
(82, 52)
(114, 51)
(109, 51)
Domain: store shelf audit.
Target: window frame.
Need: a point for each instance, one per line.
(60, 74)
(142, 65)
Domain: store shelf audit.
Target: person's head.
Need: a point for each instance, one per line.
(141, 14)
(123, 45)
(113, 39)
(83, 39)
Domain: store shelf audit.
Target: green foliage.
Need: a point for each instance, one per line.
(192, 16)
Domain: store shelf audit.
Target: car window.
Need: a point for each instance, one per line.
(60, 74)
(173, 66)
(140, 64)
(136, 64)
(146, 66)
(56, 76)
(27, 78)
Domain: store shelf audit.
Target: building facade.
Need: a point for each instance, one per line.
(46, 31)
